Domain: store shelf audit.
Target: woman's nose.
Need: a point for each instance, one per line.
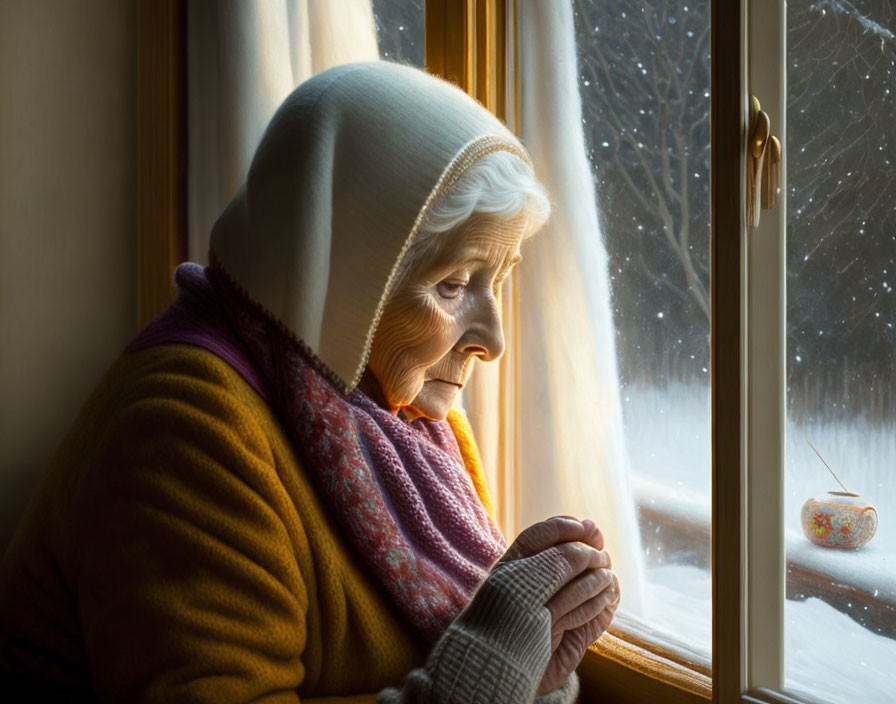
(484, 335)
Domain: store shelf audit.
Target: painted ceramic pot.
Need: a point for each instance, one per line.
(839, 520)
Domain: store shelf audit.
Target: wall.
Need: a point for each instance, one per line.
(68, 294)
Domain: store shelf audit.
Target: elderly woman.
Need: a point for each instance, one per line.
(270, 497)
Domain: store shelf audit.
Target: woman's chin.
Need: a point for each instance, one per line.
(434, 401)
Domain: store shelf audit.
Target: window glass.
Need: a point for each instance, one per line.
(644, 83)
(400, 30)
(840, 616)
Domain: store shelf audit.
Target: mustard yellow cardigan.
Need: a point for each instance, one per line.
(177, 552)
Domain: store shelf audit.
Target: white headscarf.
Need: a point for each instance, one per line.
(336, 192)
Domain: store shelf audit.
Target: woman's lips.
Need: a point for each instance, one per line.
(452, 383)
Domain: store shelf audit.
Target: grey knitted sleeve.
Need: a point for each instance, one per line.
(497, 649)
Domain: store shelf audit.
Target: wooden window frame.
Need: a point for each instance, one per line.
(162, 153)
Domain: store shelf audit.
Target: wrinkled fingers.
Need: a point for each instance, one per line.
(580, 638)
(593, 536)
(582, 557)
(582, 599)
(541, 536)
(589, 610)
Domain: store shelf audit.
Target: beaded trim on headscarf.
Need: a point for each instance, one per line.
(465, 158)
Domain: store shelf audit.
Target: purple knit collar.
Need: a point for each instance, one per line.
(398, 490)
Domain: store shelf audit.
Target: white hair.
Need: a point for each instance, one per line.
(500, 184)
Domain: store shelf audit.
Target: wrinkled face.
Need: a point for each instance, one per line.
(443, 315)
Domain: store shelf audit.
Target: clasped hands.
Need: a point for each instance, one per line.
(583, 605)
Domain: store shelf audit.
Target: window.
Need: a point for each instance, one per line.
(644, 82)
(841, 229)
(833, 135)
(400, 30)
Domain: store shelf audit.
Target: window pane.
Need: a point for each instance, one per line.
(840, 617)
(400, 30)
(645, 90)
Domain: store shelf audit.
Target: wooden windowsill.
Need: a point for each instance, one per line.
(622, 668)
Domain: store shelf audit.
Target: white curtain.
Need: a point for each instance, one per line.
(245, 57)
(571, 456)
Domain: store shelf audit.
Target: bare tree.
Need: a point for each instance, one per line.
(645, 90)
(842, 209)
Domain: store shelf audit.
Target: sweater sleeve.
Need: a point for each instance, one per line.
(187, 580)
(497, 649)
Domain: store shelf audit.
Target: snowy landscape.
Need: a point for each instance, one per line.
(826, 651)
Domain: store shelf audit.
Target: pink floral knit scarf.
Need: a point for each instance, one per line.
(398, 490)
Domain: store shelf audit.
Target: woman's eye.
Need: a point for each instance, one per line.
(450, 289)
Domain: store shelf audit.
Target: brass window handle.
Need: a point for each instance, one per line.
(763, 164)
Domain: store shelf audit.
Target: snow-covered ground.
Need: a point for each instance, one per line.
(828, 656)
(827, 653)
